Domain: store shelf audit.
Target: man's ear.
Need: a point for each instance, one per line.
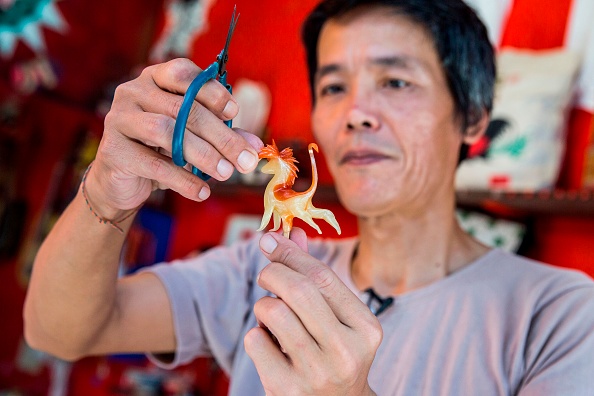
(475, 132)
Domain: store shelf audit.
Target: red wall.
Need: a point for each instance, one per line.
(265, 48)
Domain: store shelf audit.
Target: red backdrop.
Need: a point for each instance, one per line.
(104, 43)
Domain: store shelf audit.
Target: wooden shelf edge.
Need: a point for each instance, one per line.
(549, 202)
(552, 202)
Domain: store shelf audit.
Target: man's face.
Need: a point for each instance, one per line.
(384, 115)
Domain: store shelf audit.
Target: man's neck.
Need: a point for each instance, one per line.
(398, 253)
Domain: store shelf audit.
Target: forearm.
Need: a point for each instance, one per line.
(72, 293)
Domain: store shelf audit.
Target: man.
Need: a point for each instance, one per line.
(399, 86)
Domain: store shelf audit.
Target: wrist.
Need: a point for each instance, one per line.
(105, 213)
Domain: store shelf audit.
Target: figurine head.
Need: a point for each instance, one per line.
(279, 162)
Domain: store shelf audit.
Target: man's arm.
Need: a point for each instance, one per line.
(75, 304)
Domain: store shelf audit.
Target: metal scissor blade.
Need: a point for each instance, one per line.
(224, 57)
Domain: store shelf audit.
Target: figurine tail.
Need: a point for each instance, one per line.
(314, 170)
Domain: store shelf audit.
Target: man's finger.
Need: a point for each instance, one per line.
(252, 139)
(346, 306)
(303, 297)
(205, 125)
(156, 130)
(152, 165)
(284, 324)
(176, 76)
(272, 365)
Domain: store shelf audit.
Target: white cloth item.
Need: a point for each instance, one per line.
(498, 233)
(532, 96)
(579, 37)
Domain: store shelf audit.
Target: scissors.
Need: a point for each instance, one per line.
(216, 71)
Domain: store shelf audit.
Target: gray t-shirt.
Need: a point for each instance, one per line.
(503, 325)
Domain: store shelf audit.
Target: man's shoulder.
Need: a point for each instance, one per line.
(529, 276)
(520, 265)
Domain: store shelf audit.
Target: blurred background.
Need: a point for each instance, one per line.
(529, 186)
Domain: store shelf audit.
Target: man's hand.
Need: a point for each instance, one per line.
(134, 154)
(316, 337)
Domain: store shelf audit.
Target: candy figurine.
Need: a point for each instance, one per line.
(281, 200)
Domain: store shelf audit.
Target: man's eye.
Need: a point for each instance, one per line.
(396, 83)
(332, 89)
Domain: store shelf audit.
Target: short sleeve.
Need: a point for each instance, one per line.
(211, 297)
(559, 356)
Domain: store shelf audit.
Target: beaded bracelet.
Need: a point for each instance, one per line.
(102, 220)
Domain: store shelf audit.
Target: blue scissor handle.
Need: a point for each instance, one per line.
(177, 146)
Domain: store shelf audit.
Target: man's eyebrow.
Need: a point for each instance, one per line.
(326, 69)
(397, 61)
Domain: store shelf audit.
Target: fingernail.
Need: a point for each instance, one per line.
(230, 110)
(225, 168)
(268, 243)
(247, 160)
(204, 193)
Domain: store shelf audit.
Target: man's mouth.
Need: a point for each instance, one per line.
(362, 157)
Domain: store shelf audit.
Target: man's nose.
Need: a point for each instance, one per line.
(359, 120)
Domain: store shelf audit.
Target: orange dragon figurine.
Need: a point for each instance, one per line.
(281, 200)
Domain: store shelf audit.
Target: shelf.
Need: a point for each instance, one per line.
(555, 202)
(551, 202)
(324, 193)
